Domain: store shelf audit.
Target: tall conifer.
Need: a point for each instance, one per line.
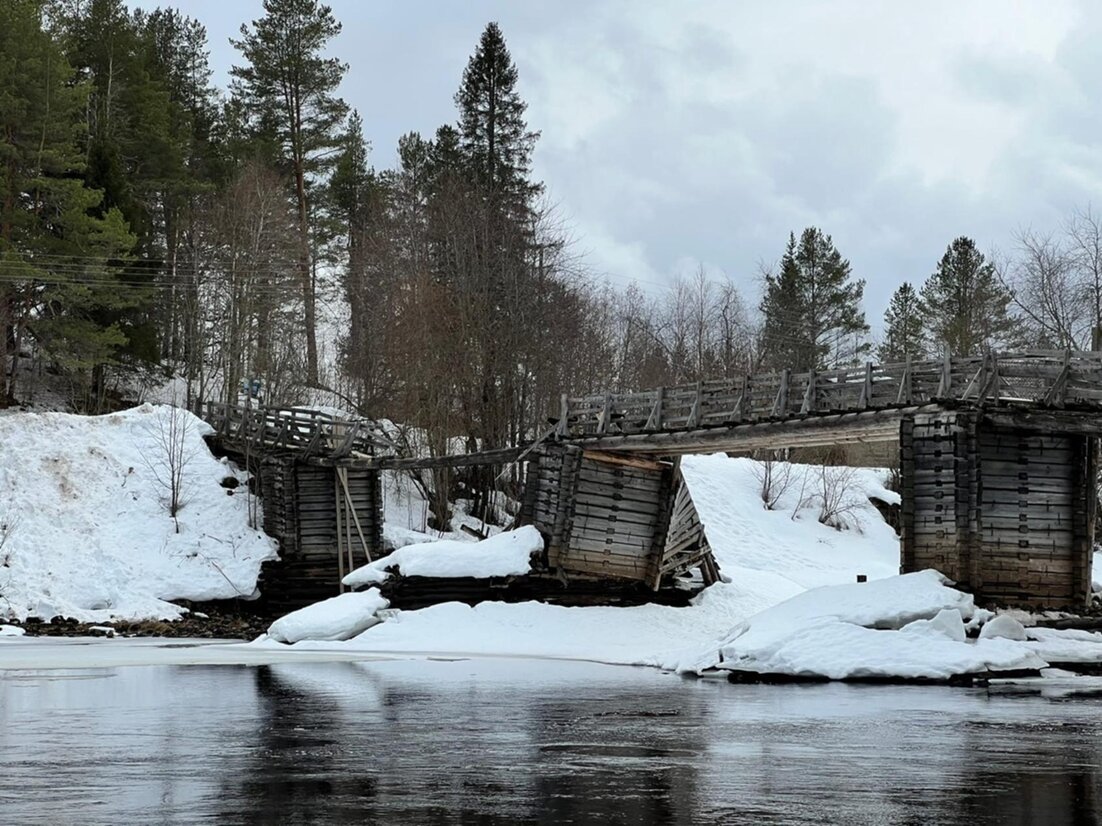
(291, 88)
(965, 306)
(903, 327)
(60, 250)
(812, 307)
(493, 134)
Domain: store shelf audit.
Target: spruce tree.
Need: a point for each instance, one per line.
(812, 307)
(903, 327)
(290, 89)
(966, 309)
(493, 135)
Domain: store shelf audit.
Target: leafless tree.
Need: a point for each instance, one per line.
(836, 494)
(245, 315)
(774, 478)
(1083, 233)
(8, 526)
(172, 453)
(1042, 277)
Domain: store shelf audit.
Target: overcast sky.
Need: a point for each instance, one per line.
(675, 133)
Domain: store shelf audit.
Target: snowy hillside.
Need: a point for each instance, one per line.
(779, 551)
(85, 527)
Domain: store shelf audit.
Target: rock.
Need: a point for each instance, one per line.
(1004, 627)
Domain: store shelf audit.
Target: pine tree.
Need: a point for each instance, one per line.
(903, 327)
(812, 308)
(290, 89)
(966, 309)
(493, 135)
(60, 250)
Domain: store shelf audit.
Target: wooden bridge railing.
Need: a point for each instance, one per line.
(293, 429)
(1047, 378)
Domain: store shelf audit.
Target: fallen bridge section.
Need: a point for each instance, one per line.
(615, 517)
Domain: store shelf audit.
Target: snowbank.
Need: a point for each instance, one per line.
(506, 554)
(86, 530)
(909, 626)
(650, 635)
(338, 618)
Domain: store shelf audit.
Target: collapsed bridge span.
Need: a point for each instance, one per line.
(998, 466)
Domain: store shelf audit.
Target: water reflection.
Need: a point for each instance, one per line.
(530, 742)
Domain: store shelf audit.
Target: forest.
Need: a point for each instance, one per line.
(155, 226)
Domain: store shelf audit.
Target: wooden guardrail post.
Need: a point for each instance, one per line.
(946, 384)
(780, 404)
(811, 401)
(654, 421)
(904, 395)
(606, 413)
(694, 411)
(743, 405)
(1057, 393)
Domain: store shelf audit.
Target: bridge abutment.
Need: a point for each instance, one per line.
(1003, 506)
(327, 520)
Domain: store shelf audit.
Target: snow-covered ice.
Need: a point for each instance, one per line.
(505, 554)
(903, 626)
(337, 618)
(1065, 645)
(86, 530)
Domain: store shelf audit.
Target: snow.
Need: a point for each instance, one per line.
(947, 622)
(84, 526)
(506, 554)
(86, 534)
(337, 618)
(406, 515)
(767, 556)
(789, 542)
(643, 635)
(898, 627)
(11, 631)
(1005, 627)
(1065, 646)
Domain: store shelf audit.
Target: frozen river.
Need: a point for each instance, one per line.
(518, 741)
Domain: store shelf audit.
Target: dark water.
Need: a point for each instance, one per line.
(531, 742)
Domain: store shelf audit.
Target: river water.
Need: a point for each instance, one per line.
(524, 741)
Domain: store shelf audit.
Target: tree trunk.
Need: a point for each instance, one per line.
(306, 275)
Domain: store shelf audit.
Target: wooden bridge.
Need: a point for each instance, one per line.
(998, 460)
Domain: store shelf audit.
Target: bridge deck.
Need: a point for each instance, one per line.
(852, 404)
(294, 430)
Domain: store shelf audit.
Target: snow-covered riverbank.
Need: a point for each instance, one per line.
(88, 535)
(85, 529)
